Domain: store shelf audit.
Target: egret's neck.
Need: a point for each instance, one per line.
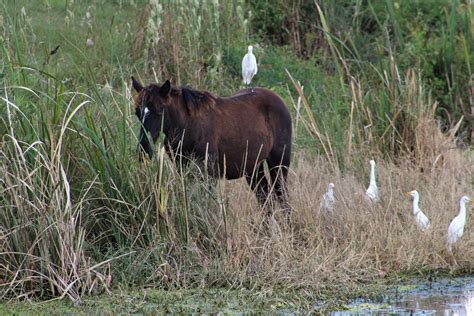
(416, 209)
(330, 192)
(462, 209)
(372, 176)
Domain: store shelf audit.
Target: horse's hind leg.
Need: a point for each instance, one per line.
(279, 163)
(258, 183)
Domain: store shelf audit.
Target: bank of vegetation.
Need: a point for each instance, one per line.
(79, 215)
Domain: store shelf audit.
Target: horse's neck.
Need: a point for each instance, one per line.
(174, 122)
(176, 129)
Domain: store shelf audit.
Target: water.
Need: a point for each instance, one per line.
(447, 297)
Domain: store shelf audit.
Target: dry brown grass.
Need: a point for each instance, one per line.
(360, 240)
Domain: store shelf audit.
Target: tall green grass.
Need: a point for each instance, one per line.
(366, 38)
(74, 197)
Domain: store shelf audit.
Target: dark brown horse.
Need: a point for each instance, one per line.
(234, 135)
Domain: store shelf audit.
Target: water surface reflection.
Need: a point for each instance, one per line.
(445, 297)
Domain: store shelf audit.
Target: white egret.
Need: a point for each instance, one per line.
(327, 200)
(89, 43)
(372, 191)
(456, 228)
(421, 220)
(249, 66)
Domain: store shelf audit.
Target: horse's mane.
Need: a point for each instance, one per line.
(197, 101)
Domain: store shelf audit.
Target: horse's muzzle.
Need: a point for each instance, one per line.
(144, 146)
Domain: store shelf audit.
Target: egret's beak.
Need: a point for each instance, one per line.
(408, 193)
(471, 202)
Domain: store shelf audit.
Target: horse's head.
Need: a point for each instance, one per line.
(151, 102)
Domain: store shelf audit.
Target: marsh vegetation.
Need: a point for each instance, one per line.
(80, 216)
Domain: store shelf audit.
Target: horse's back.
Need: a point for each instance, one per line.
(268, 103)
(259, 121)
(252, 99)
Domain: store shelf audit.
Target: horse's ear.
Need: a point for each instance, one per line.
(136, 85)
(165, 88)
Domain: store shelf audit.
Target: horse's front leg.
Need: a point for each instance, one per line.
(210, 161)
(175, 153)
